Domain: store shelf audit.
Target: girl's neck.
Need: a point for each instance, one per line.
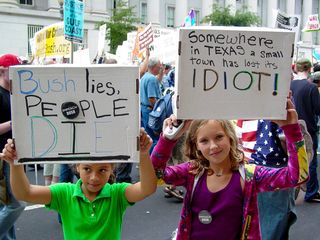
(221, 169)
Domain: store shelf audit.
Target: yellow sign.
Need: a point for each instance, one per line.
(50, 42)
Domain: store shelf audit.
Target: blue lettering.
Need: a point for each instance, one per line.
(26, 76)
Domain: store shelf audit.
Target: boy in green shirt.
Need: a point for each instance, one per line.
(91, 208)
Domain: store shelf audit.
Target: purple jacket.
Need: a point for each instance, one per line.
(256, 179)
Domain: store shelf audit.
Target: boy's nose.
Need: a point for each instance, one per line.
(93, 176)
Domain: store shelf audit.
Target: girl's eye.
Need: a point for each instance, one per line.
(219, 137)
(203, 140)
(86, 169)
(103, 170)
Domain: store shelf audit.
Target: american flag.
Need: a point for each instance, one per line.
(261, 142)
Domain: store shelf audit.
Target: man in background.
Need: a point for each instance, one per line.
(307, 101)
(10, 208)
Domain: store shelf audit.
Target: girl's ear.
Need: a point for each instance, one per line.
(78, 167)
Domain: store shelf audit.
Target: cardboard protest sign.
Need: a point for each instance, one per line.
(73, 11)
(70, 114)
(50, 42)
(233, 72)
(289, 22)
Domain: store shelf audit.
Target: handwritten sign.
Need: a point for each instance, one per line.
(233, 72)
(71, 114)
(50, 42)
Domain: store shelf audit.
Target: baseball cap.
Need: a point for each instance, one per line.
(303, 65)
(8, 60)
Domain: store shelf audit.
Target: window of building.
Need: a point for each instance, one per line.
(143, 13)
(26, 2)
(170, 16)
(32, 29)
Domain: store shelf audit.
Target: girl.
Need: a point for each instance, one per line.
(221, 197)
(91, 208)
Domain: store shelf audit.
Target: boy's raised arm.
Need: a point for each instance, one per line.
(148, 181)
(20, 185)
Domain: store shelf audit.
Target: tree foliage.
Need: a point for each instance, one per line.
(221, 16)
(121, 22)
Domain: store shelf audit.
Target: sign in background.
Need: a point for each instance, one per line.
(73, 11)
(233, 73)
(72, 114)
(50, 42)
(289, 22)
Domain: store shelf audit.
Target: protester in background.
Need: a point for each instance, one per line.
(162, 77)
(262, 142)
(221, 198)
(149, 94)
(143, 68)
(307, 101)
(51, 173)
(10, 208)
(92, 208)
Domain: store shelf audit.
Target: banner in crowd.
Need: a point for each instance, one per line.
(312, 24)
(50, 42)
(233, 72)
(145, 38)
(68, 114)
(73, 11)
(190, 19)
(289, 22)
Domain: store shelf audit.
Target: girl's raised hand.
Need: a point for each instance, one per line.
(173, 121)
(145, 141)
(292, 115)
(9, 152)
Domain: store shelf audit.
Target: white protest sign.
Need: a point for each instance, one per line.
(145, 37)
(289, 22)
(101, 39)
(68, 114)
(233, 72)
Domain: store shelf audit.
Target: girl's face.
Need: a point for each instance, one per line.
(213, 143)
(94, 176)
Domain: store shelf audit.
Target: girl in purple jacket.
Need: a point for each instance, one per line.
(221, 197)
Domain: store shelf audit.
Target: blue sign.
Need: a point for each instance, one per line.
(73, 20)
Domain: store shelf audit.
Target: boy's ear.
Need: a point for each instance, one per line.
(78, 167)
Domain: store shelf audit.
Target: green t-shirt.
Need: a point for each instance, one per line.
(82, 219)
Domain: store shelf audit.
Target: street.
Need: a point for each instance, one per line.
(154, 218)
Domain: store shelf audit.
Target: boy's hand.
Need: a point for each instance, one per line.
(9, 153)
(145, 142)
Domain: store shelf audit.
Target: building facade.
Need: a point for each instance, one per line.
(171, 13)
(20, 19)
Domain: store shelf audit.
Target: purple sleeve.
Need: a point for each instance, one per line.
(161, 153)
(270, 179)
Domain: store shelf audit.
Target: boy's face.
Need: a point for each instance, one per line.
(94, 176)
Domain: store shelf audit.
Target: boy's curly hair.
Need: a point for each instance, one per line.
(198, 161)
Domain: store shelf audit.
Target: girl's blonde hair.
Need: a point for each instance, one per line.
(197, 159)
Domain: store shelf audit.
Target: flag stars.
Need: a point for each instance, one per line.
(270, 134)
(261, 135)
(271, 149)
(259, 149)
(265, 142)
(266, 127)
